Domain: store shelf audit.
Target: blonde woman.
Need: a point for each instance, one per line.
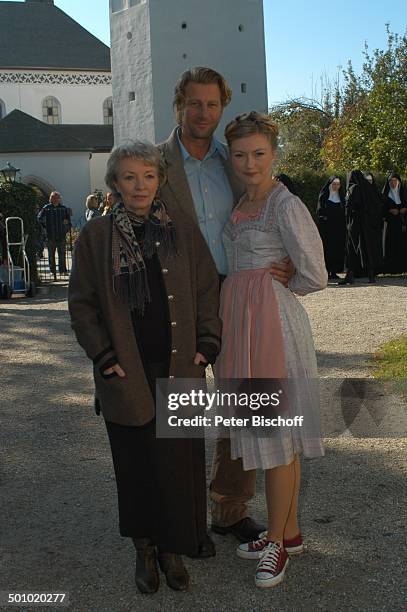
(266, 332)
(108, 202)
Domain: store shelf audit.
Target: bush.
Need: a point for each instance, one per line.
(19, 200)
(308, 185)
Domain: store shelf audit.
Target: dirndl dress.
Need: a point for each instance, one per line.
(266, 331)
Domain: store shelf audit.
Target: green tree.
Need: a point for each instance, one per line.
(303, 125)
(371, 130)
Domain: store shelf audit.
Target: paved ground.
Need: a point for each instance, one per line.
(58, 505)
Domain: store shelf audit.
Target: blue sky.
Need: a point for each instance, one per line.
(304, 38)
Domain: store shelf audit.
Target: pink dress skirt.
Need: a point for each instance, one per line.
(251, 317)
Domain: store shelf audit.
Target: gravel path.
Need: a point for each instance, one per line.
(58, 499)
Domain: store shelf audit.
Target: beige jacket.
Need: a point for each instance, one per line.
(176, 191)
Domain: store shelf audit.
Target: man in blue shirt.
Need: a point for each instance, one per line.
(55, 218)
(200, 181)
(200, 176)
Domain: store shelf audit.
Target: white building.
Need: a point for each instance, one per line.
(55, 100)
(154, 41)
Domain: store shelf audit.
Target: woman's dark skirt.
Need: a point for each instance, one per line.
(161, 487)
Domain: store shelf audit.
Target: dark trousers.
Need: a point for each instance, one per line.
(60, 246)
(161, 485)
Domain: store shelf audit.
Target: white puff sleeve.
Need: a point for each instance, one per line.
(302, 241)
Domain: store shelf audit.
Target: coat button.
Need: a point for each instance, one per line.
(170, 297)
(170, 377)
(174, 351)
(173, 324)
(164, 271)
(157, 244)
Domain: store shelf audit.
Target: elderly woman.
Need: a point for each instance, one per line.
(143, 298)
(267, 335)
(92, 207)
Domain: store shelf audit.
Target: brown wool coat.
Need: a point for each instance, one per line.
(104, 328)
(176, 191)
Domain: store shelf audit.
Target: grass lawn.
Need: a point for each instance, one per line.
(390, 363)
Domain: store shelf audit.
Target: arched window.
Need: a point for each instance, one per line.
(2, 109)
(108, 111)
(51, 110)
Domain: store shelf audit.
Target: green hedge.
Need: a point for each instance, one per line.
(308, 185)
(19, 200)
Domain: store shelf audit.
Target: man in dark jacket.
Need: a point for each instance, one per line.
(56, 220)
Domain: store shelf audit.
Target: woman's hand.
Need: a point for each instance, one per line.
(282, 271)
(115, 368)
(403, 211)
(200, 359)
(394, 211)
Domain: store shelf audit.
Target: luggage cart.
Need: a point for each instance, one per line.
(19, 280)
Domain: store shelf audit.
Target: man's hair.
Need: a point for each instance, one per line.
(204, 76)
(54, 193)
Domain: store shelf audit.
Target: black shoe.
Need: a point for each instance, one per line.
(348, 280)
(206, 549)
(372, 277)
(333, 276)
(174, 570)
(246, 530)
(147, 578)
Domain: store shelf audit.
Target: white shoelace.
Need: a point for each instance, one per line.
(269, 558)
(259, 543)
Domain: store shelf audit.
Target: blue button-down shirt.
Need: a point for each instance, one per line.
(212, 196)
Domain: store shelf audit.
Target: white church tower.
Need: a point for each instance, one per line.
(154, 41)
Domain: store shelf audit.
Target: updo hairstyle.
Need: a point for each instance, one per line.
(249, 124)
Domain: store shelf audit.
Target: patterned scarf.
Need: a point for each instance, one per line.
(130, 281)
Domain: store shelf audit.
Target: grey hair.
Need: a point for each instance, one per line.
(138, 149)
(91, 199)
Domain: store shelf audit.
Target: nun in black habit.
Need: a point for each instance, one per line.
(369, 177)
(395, 212)
(364, 211)
(331, 225)
(288, 182)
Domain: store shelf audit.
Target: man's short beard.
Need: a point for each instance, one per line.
(200, 136)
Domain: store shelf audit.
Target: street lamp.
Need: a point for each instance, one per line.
(8, 173)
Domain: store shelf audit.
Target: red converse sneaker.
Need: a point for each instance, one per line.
(295, 546)
(253, 550)
(272, 565)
